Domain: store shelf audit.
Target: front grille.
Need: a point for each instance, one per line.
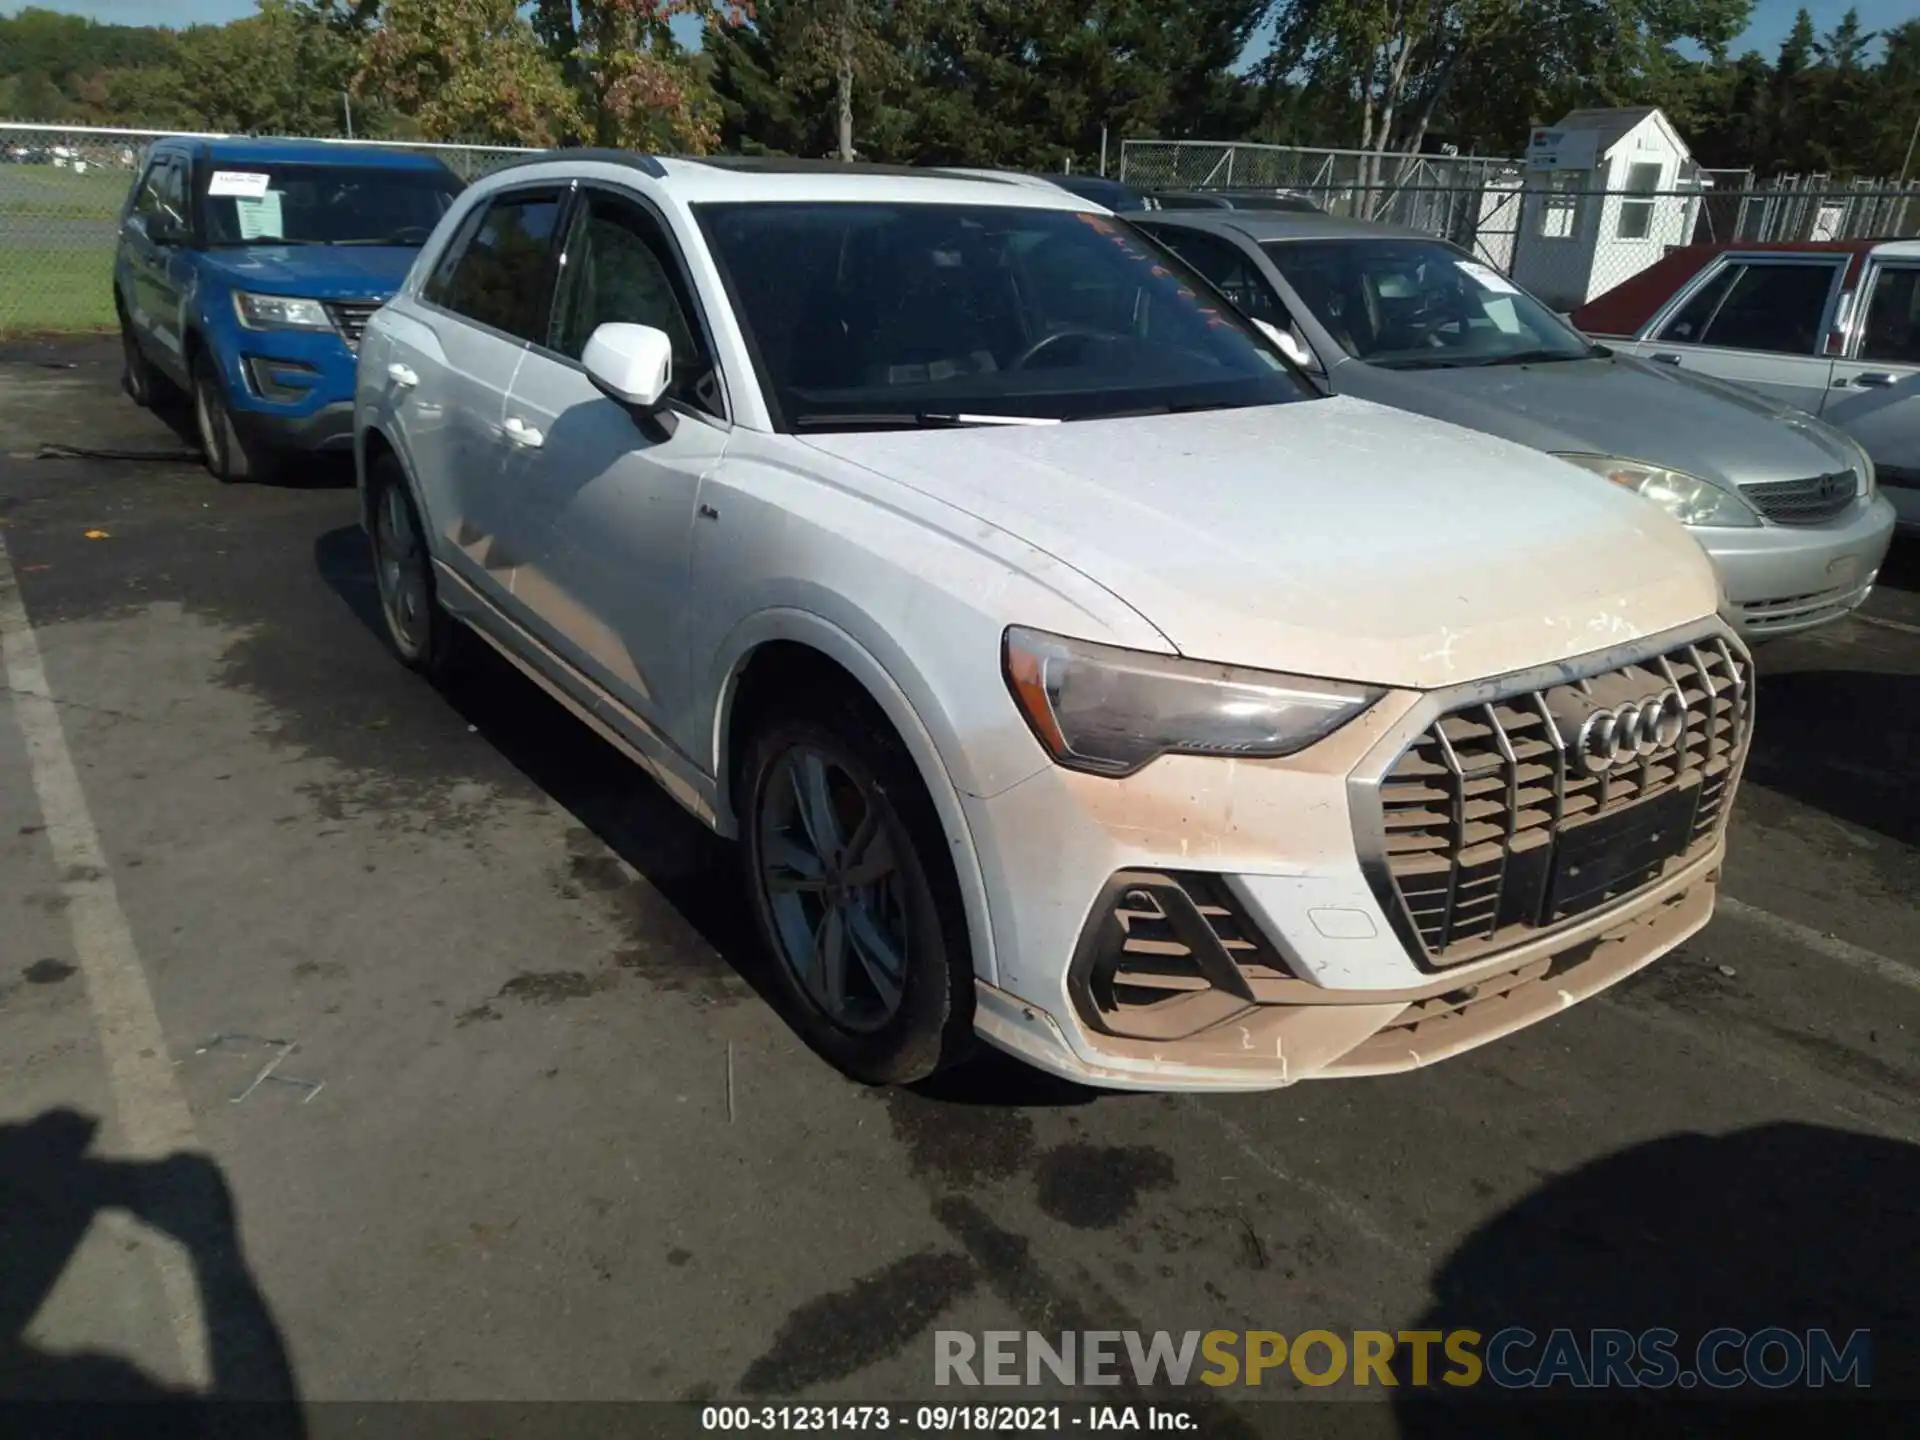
(1495, 831)
(350, 319)
(1812, 501)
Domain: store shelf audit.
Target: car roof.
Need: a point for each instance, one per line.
(1628, 306)
(244, 149)
(722, 179)
(1264, 225)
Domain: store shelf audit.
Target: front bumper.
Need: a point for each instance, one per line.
(1329, 972)
(290, 390)
(328, 428)
(1783, 579)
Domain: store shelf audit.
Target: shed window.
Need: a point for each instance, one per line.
(1560, 205)
(1636, 215)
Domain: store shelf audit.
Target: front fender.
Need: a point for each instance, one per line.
(897, 686)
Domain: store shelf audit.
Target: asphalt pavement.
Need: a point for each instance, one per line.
(361, 1041)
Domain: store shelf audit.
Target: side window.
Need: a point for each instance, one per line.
(1892, 329)
(1231, 272)
(498, 276)
(619, 270)
(1689, 326)
(163, 193)
(1772, 306)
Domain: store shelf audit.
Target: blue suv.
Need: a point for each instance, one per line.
(245, 272)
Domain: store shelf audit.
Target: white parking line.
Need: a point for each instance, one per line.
(154, 1119)
(1830, 947)
(1885, 624)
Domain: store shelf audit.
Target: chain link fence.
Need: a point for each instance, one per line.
(1551, 231)
(61, 189)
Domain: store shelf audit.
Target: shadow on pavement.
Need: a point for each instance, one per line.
(51, 1191)
(694, 870)
(1901, 569)
(1844, 741)
(1795, 1227)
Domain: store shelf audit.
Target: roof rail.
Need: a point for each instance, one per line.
(634, 159)
(827, 165)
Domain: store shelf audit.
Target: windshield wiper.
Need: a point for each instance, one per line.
(264, 240)
(1536, 357)
(912, 420)
(1436, 363)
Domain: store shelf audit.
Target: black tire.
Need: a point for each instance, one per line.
(432, 643)
(139, 377)
(229, 458)
(932, 1027)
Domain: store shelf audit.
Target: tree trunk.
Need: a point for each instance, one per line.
(846, 84)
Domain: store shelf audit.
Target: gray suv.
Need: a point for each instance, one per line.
(1786, 506)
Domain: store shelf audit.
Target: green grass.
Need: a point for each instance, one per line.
(41, 190)
(44, 291)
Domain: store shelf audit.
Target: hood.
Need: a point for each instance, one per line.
(1616, 406)
(319, 272)
(1326, 537)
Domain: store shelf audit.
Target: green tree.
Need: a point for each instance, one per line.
(634, 83)
(468, 70)
(1839, 112)
(279, 71)
(1496, 66)
(1894, 146)
(32, 95)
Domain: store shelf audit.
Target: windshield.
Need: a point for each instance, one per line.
(865, 315)
(1418, 304)
(275, 204)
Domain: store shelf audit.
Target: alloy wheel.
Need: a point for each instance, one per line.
(400, 570)
(831, 880)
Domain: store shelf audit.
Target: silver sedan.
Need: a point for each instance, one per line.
(1786, 506)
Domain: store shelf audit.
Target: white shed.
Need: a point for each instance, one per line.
(1608, 192)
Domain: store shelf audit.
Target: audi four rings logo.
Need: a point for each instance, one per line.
(1627, 734)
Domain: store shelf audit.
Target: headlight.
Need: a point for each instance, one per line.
(280, 312)
(1863, 466)
(1110, 711)
(1689, 499)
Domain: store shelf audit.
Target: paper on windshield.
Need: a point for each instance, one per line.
(1502, 313)
(237, 184)
(1489, 278)
(260, 219)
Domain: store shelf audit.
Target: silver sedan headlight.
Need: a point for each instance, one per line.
(1109, 711)
(1863, 465)
(1688, 498)
(280, 312)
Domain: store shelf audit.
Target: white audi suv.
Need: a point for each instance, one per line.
(1072, 672)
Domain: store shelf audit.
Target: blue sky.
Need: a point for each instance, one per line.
(1771, 18)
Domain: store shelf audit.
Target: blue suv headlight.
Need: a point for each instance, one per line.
(280, 312)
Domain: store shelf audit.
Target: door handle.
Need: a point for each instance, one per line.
(402, 375)
(1665, 358)
(1874, 379)
(521, 433)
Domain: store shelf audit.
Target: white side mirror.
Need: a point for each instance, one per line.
(1290, 347)
(632, 363)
